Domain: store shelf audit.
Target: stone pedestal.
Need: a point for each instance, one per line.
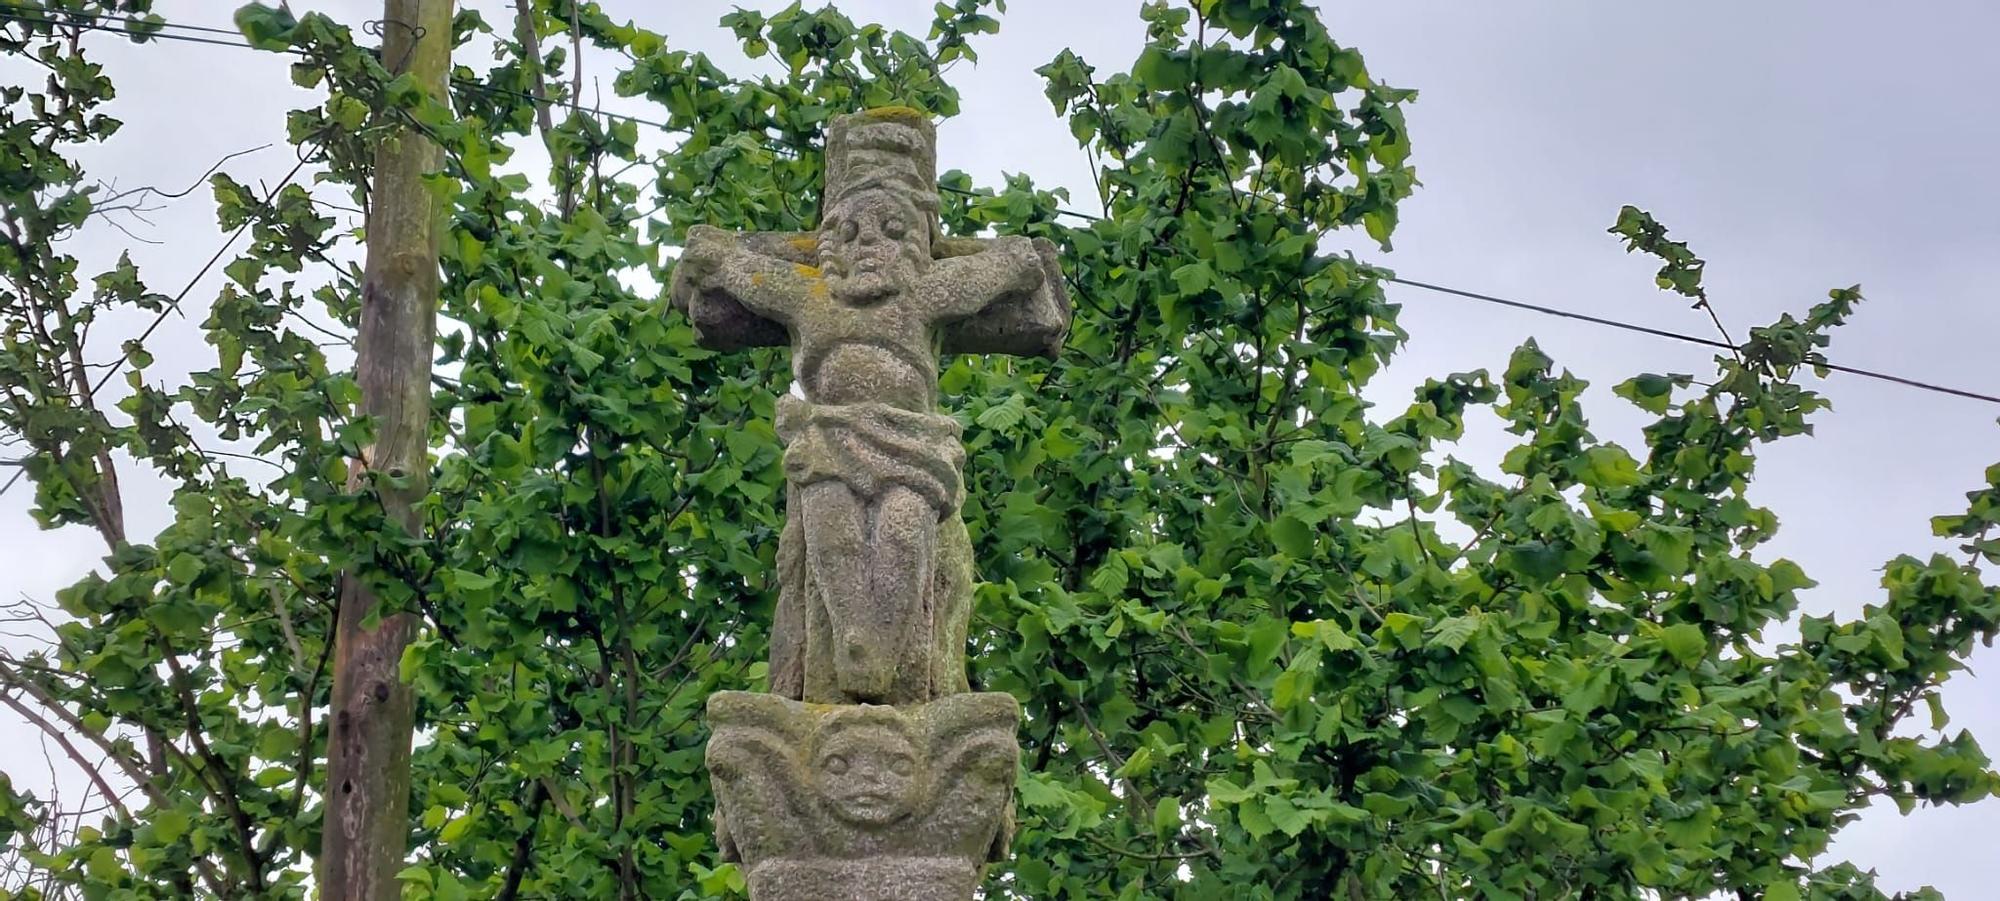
(863, 802)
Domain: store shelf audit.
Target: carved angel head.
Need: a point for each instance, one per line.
(867, 768)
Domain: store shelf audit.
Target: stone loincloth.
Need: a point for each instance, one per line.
(872, 446)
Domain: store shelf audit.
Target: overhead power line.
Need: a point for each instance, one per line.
(1678, 336)
(96, 22)
(1599, 320)
(20, 14)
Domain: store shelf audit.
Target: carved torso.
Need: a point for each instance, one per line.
(883, 352)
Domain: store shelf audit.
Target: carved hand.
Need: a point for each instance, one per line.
(1026, 262)
(707, 249)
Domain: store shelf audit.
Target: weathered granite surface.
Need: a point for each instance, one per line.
(830, 801)
(869, 772)
(874, 563)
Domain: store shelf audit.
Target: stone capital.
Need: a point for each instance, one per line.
(832, 802)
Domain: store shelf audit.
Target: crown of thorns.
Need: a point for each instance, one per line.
(889, 149)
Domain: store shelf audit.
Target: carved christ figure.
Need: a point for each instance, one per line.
(873, 608)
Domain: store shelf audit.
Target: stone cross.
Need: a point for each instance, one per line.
(875, 568)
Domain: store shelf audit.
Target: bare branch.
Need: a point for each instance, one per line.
(175, 195)
(70, 750)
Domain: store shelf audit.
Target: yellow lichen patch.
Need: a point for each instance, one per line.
(757, 279)
(897, 114)
(805, 243)
(818, 288)
(806, 271)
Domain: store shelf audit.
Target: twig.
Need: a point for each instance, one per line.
(69, 749)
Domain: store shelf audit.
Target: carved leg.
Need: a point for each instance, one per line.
(837, 551)
(790, 626)
(904, 555)
(951, 607)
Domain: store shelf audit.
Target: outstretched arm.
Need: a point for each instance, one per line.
(957, 287)
(716, 262)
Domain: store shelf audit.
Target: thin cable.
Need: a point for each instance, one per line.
(1599, 320)
(175, 304)
(172, 305)
(523, 95)
(13, 8)
(1678, 336)
(14, 13)
(1566, 314)
(467, 83)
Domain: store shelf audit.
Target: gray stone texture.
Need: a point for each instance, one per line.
(838, 801)
(869, 772)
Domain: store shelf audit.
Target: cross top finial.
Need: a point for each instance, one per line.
(892, 148)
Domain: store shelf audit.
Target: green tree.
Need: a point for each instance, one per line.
(1268, 643)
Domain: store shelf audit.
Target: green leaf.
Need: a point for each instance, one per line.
(1287, 817)
(1256, 820)
(1404, 629)
(1685, 643)
(1004, 416)
(1611, 467)
(1223, 791)
(1651, 393)
(1292, 536)
(184, 569)
(1939, 719)
(1328, 633)
(266, 27)
(1451, 633)
(457, 827)
(168, 825)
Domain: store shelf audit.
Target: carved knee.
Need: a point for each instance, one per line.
(905, 519)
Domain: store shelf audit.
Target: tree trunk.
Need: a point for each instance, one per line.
(368, 751)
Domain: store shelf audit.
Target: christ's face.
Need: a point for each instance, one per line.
(873, 245)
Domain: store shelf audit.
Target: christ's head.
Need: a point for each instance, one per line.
(874, 244)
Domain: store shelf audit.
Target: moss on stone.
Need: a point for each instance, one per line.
(906, 114)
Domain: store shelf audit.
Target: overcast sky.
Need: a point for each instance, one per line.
(1799, 145)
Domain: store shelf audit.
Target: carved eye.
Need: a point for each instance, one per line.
(900, 766)
(894, 228)
(837, 764)
(849, 229)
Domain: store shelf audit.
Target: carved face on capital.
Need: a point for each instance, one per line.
(873, 244)
(867, 774)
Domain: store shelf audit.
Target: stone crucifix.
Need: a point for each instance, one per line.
(875, 568)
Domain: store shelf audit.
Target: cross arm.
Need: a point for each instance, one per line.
(740, 289)
(1000, 295)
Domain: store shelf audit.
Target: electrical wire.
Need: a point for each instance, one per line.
(16, 13)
